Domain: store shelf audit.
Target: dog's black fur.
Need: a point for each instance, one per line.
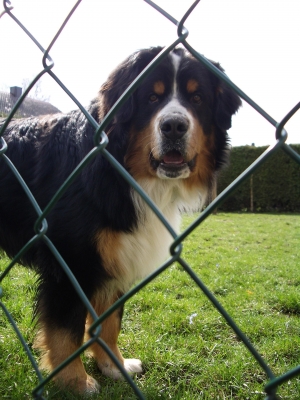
(45, 150)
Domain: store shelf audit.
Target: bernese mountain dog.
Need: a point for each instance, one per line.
(170, 135)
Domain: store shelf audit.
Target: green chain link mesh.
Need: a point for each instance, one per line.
(100, 141)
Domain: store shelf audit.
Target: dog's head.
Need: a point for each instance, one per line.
(174, 125)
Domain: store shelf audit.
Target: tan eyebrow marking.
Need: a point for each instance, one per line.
(159, 87)
(192, 85)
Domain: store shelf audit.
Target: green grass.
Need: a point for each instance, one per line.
(250, 262)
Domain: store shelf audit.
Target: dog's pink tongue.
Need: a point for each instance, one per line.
(173, 157)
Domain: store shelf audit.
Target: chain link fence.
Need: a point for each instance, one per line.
(100, 143)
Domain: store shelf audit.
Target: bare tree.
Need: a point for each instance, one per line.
(37, 91)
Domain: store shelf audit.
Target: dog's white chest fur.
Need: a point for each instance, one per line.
(147, 247)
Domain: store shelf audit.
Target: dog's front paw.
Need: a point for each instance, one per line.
(131, 365)
(84, 385)
(91, 386)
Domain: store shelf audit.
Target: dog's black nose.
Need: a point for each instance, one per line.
(174, 127)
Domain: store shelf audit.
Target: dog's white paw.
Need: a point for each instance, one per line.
(131, 365)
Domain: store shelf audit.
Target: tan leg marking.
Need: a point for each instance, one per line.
(56, 346)
(109, 333)
(107, 243)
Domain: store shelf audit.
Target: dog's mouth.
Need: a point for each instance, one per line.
(173, 158)
(172, 164)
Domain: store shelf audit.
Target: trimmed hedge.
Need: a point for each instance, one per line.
(276, 184)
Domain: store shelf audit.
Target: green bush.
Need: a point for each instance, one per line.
(275, 185)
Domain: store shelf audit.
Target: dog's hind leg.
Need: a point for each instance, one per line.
(110, 329)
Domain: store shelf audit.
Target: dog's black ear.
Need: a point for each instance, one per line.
(227, 104)
(118, 82)
(110, 92)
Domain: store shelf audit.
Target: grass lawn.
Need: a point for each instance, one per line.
(250, 262)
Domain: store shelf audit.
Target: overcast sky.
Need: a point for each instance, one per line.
(257, 42)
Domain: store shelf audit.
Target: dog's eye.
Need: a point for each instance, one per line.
(196, 98)
(153, 98)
